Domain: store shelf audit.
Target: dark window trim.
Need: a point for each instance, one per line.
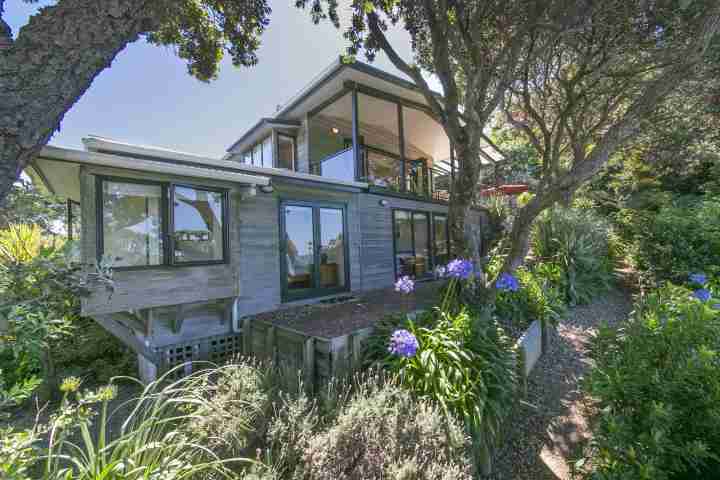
(430, 234)
(279, 134)
(166, 226)
(314, 292)
(224, 218)
(447, 235)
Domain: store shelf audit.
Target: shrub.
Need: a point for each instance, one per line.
(578, 242)
(384, 432)
(43, 332)
(238, 401)
(656, 383)
(682, 237)
(541, 296)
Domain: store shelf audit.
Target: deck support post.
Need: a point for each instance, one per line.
(309, 365)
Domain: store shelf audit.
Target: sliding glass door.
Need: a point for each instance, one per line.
(313, 250)
(412, 243)
(419, 245)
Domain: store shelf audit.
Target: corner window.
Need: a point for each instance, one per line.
(136, 218)
(198, 225)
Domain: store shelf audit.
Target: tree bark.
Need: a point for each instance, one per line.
(53, 61)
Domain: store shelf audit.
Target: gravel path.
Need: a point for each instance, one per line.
(548, 430)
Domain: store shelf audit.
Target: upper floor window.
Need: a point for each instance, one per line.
(286, 149)
(260, 154)
(145, 224)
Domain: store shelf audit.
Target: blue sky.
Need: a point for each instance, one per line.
(147, 97)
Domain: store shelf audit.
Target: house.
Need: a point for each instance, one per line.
(343, 190)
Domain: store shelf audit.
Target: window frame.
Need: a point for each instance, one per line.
(276, 162)
(224, 217)
(167, 225)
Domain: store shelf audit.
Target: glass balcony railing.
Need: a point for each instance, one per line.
(338, 166)
(384, 170)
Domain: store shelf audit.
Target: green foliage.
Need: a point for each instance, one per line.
(681, 237)
(577, 241)
(384, 432)
(202, 32)
(19, 453)
(541, 296)
(41, 286)
(656, 382)
(28, 204)
(464, 363)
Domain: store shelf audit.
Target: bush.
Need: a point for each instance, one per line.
(43, 332)
(578, 242)
(682, 237)
(656, 383)
(383, 432)
(541, 296)
(463, 362)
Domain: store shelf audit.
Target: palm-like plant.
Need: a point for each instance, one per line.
(21, 243)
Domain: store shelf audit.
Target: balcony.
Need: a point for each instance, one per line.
(371, 137)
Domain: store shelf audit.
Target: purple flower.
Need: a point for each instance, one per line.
(405, 285)
(459, 268)
(403, 344)
(698, 278)
(702, 294)
(507, 283)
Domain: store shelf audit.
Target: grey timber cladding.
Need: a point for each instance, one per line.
(289, 191)
(161, 286)
(377, 235)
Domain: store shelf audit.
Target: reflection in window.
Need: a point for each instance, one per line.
(332, 248)
(132, 224)
(440, 236)
(383, 170)
(299, 247)
(286, 151)
(198, 223)
(412, 244)
(257, 155)
(267, 154)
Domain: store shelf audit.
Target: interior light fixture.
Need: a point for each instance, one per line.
(335, 130)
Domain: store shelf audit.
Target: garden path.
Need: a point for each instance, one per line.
(548, 429)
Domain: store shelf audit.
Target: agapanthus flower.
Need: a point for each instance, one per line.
(507, 283)
(698, 278)
(440, 271)
(702, 294)
(405, 285)
(403, 344)
(459, 268)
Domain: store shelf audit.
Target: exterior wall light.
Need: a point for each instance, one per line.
(383, 203)
(267, 189)
(335, 130)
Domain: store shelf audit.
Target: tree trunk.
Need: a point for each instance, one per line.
(463, 236)
(53, 61)
(522, 228)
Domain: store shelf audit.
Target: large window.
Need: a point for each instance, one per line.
(198, 225)
(413, 239)
(132, 224)
(136, 219)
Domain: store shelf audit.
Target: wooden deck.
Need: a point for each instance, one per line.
(328, 320)
(324, 341)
